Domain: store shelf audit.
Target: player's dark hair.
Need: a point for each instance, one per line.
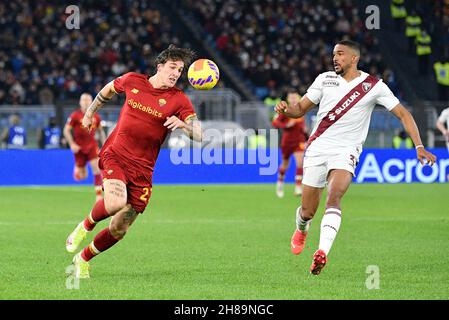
(352, 44)
(286, 93)
(174, 53)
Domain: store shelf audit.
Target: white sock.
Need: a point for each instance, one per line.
(329, 228)
(301, 224)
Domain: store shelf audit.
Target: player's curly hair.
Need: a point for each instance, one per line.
(175, 54)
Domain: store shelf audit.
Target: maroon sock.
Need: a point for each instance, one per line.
(281, 174)
(97, 214)
(97, 180)
(102, 242)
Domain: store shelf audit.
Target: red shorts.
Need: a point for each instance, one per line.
(138, 187)
(83, 156)
(288, 150)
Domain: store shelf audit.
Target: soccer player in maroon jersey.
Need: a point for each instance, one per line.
(83, 144)
(153, 106)
(294, 136)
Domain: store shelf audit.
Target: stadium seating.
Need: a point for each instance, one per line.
(43, 61)
(278, 44)
(288, 46)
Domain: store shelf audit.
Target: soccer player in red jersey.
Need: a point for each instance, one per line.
(294, 136)
(83, 144)
(153, 106)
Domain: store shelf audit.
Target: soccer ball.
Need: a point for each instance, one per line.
(203, 74)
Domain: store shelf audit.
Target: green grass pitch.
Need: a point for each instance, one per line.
(230, 242)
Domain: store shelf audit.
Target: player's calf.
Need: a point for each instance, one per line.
(109, 236)
(122, 220)
(280, 181)
(97, 214)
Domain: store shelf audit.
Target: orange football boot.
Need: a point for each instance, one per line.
(298, 241)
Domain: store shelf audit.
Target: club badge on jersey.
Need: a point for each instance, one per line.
(16, 137)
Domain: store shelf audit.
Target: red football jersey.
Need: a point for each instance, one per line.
(81, 135)
(139, 133)
(293, 135)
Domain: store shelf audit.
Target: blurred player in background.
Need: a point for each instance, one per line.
(294, 136)
(443, 125)
(15, 137)
(83, 143)
(153, 107)
(346, 99)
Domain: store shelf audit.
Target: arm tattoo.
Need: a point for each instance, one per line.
(98, 102)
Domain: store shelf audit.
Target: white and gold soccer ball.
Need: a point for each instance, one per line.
(203, 74)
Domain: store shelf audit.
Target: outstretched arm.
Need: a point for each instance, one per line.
(191, 127)
(296, 111)
(102, 97)
(412, 129)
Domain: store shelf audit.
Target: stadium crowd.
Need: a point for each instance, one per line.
(275, 43)
(280, 44)
(435, 16)
(41, 60)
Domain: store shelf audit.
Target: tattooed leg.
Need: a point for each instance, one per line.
(122, 220)
(115, 197)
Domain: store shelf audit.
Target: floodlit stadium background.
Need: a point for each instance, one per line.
(50, 53)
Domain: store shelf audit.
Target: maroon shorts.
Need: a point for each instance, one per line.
(138, 187)
(83, 156)
(288, 150)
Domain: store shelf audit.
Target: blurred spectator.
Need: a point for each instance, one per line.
(390, 80)
(270, 102)
(398, 13)
(412, 29)
(257, 141)
(441, 68)
(50, 136)
(15, 136)
(402, 141)
(423, 51)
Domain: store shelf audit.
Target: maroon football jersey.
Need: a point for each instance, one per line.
(139, 133)
(293, 135)
(81, 135)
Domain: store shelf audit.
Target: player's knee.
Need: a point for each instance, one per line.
(114, 205)
(334, 197)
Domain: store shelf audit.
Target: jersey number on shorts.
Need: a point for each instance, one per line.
(353, 162)
(144, 196)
